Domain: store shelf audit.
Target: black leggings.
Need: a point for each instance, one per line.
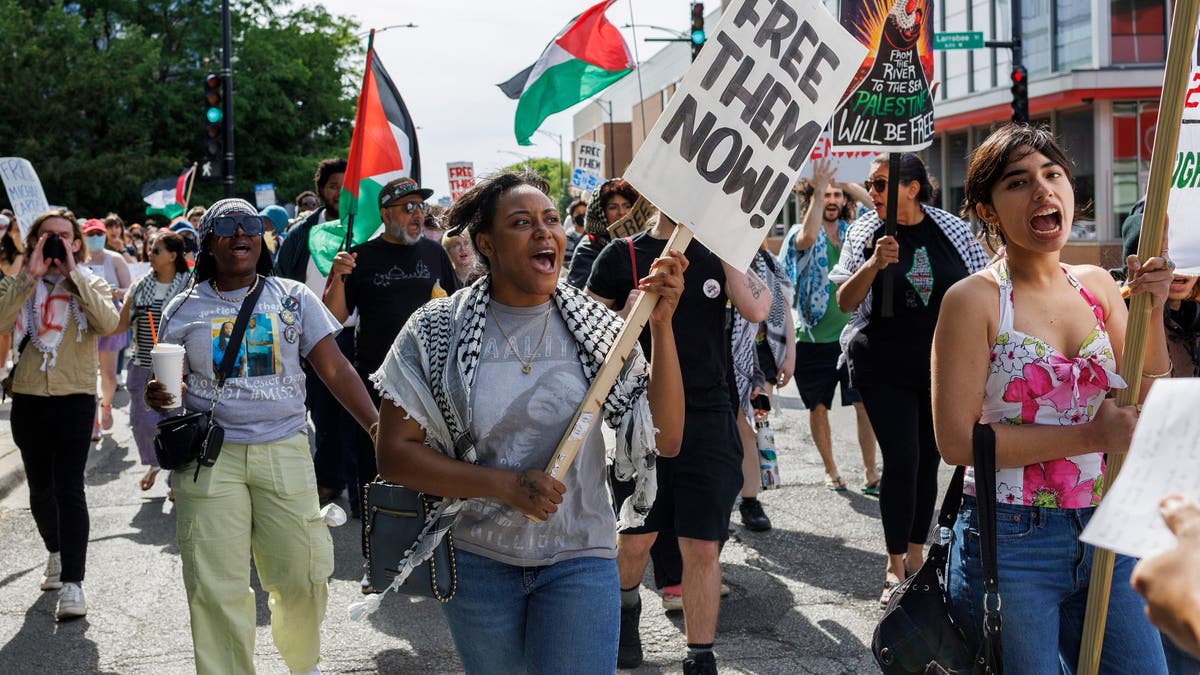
(54, 434)
(902, 418)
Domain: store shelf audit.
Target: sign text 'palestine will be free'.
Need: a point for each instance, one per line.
(724, 154)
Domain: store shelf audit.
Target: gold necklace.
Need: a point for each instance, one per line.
(526, 366)
(213, 283)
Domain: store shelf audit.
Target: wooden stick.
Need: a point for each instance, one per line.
(187, 198)
(1166, 139)
(589, 410)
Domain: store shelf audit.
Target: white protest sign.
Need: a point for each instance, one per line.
(1184, 201)
(138, 269)
(461, 176)
(264, 195)
(723, 156)
(588, 173)
(850, 166)
(1163, 458)
(24, 191)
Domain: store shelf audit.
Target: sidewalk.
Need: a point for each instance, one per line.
(12, 472)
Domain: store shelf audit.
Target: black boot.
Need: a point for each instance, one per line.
(753, 517)
(704, 663)
(629, 645)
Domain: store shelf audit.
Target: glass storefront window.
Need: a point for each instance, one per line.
(1076, 133)
(1035, 35)
(1073, 34)
(1139, 31)
(958, 149)
(1133, 135)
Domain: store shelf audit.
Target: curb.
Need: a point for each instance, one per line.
(12, 471)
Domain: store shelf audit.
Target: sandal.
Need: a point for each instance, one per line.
(835, 484)
(871, 489)
(148, 478)
(888, 588)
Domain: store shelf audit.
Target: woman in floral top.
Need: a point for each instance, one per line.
(1032, 346)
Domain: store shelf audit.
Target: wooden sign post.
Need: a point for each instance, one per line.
(1179, 62)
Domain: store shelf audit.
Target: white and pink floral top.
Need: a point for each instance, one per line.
(1030, 382)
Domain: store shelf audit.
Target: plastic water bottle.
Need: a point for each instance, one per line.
(767, 461)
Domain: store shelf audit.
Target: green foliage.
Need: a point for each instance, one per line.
(103, 96)
(556, 173)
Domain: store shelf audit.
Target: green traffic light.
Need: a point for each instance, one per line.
(697, 37)
(213, 115)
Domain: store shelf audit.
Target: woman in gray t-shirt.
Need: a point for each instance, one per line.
(261, 495)
(492, 376)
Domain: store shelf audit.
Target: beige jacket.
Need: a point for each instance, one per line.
(76, 366)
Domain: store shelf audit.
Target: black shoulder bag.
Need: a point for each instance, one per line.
(916, 633)
(195, 436)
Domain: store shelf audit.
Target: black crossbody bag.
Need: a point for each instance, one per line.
(195, 436)
(916, 633)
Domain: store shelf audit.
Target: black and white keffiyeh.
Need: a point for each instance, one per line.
(864, 229)
(429, 372)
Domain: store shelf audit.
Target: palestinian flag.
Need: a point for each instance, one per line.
(167, 196)
(586, 56)
(384, 146)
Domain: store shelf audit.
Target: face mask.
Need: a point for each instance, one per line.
(578, 220)
(95, 242)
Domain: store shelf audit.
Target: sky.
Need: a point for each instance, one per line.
(448, 66)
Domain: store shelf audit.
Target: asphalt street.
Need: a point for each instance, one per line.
(804, 595)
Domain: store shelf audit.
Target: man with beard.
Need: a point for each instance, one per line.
(810, 249)
(387, 279)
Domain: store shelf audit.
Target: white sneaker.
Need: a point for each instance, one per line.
(50, 578)
(71, 603)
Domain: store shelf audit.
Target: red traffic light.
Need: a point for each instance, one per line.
(1018, 74)
(212, 81)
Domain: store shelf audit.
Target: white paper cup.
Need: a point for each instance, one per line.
(168, 368)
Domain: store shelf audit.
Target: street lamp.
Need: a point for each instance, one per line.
(562, 178)
(683, 37)
(397, 25)
(525, 159)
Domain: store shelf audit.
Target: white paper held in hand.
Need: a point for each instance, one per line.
(1163, 458)
(167, 360)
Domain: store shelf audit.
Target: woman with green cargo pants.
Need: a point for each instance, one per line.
(260, 497)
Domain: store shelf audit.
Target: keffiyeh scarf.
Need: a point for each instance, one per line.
(809, 272)
(143, 289)
(431, 368)
(43, 318)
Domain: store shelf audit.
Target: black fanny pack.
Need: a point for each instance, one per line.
(196, 436)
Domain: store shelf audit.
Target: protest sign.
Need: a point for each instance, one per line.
(24, 191)
(462, 178)
(850, 166)
(890, 106)
(637, 220)
(588, 172)
(723, 156)
(1162, 458)
(264, 194)
(1184, 201)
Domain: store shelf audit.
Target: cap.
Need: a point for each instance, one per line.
(180, 226)
(93, 225)
(399, 188)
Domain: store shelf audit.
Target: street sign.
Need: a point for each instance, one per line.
(963, 40)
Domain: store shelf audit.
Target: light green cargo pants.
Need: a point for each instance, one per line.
(259, 498)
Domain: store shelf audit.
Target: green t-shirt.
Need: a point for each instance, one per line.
(829, 328)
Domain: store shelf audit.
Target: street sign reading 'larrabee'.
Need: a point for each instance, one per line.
(723, 156)
(964, 40)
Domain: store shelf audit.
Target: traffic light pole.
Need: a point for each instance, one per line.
(227, 95)
(1017, 63)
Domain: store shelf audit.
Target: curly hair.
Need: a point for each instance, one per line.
(475, 210)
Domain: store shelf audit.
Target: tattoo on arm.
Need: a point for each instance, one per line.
(527, 483)
(756, 287)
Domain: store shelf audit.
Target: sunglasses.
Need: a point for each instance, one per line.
(409, 207)
(308, 205)
(226, 226)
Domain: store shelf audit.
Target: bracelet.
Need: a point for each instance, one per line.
(373, 432)
(1166, 373)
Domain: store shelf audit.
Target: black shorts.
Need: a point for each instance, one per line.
(817, 374)
(696, 489)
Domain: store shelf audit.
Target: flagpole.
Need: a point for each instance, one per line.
(350, 216)
(1166, 140)
(187, 198)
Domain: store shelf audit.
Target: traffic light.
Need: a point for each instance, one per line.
(214, 127)
(697, 28)
(1020, 95)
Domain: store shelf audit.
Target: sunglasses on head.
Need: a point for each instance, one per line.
(226, 226)
(409, 207)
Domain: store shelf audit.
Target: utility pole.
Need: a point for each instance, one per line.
(1019, 76)
(227, 81)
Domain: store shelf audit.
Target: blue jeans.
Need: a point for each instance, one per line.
(561, 618)
(1044, 573)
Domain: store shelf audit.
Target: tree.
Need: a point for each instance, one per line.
(105, 96)
(556, 173)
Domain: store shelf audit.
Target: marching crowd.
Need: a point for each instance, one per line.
(449, 354)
